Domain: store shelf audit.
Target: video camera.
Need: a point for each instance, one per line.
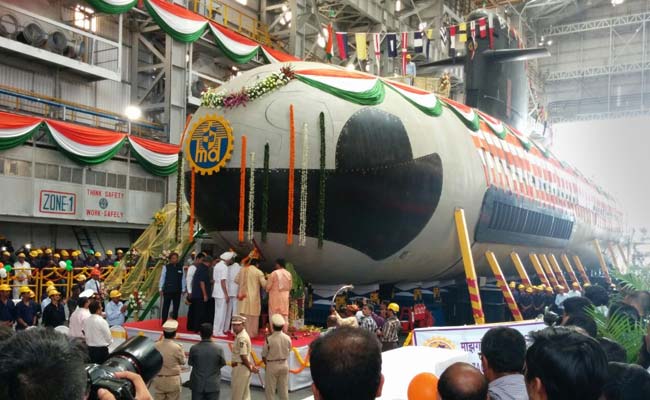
(138, 354)
(551, 318)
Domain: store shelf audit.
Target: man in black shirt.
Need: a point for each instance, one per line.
(7, 308)
(54, 313)
(201, 290)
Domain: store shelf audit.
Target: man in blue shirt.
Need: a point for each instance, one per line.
(171, 286)
(25, 310)
(7, 308)
(115, 309)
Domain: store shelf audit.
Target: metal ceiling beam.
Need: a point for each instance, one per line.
(599, 116)
(374, 11)
(596, 24)
(604, 70)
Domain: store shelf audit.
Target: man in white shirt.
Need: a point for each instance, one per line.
(95, 284)
(190, 273)
(220, 292)
(80, 314)
(22, 272)
(98, 334)
(115, 309)
(233, 289)
(575, 290)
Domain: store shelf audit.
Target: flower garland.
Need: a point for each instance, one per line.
(159, 219)
(219, 99)
(302, 227)
(321, 183)
(242, 189)
(178, 232)
(137, 300)
(192, 198)
(292, 164)
(251, 200)
(265, 194)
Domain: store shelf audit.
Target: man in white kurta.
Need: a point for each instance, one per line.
(220, 293)
(22, 273)
(233, 289)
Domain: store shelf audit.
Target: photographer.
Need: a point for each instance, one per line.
(43, 364)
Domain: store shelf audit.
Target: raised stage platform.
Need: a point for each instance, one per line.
(299, 376)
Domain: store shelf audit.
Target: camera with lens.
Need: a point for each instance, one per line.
(138, 354)
(551, 318)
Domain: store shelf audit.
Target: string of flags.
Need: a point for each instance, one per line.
(450, 37)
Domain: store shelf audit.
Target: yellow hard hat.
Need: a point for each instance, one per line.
(559, 287)
(521, 286)
(53, 293)
(98, 254)
(6, 253)
(513, 285)
(587, 284)
(109, 252)
(529, 290)
(39, 251)
(64, 253)
(48, 251)
(575, 285)
(81, 278)
(50, 289)
(549, 290)
(49, 283)
(33, 253)
(119, 251)
(394, 307)
(31, 294)
(24, 289)
(543, 286)
(115, 293)
(56, 255)
(5, 288)
(21, 255)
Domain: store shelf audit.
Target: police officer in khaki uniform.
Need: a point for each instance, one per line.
(242, 367)
(167, 384)
(275, 354)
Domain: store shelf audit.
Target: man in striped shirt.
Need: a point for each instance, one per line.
(390, 331)
(367, 322)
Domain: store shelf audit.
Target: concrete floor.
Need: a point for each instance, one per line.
(256, 393)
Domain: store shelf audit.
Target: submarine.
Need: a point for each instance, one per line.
(355, 178)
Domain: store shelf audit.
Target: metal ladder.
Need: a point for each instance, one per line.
(83, 239)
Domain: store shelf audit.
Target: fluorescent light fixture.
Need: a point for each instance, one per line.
(320, 40)
(422, 26)
(242, 2)
(550, 42)
(398, 5)
(617, 2)
(132, 112)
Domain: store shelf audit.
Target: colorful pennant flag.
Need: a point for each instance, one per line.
(418, 43)
(329, 47)
(452, 41)
(491, 31)
(404, 44)
(481, 28)
(391, 46)
(342, 42)
(462, 32)
(362, 46)
(377, 45)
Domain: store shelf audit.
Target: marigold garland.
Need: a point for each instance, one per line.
(321, 183)
(265, 194)
(242, 188)
(302, 227)
(292, 162)
(220, 99)
(251, 199)
(178, 232)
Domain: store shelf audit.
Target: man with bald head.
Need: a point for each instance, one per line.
(462, 381)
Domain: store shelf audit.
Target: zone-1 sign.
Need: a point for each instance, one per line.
(53, 202)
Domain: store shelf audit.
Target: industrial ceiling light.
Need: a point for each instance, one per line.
(132, 112)
(617, 2)
(398, 5)
(422, 26)
(242, 2)
(550, 42)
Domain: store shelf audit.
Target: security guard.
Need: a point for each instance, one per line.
(167, 384)
(275, 354)
(241, 361)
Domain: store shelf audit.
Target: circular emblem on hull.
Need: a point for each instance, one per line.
(439, 342)
(209, 144)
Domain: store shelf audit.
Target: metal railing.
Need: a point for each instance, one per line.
(235, 19)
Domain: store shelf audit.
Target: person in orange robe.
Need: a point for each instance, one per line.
(278, 286)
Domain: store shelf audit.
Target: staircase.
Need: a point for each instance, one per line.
(83, 239)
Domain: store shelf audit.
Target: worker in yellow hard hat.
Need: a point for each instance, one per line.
(64, 253)
(26, 310)
(7, 307)
(119, 255)
(390, 330)
(115, 309)
(512, 285)
(48, 251)
(54, 313)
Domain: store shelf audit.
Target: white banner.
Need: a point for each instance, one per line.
(104, 204)
(467, 338)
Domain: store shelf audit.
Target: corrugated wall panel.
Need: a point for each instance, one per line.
(16, 78)
(113, 96)
(78, 92)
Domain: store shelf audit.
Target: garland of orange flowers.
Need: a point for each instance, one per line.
(192, 194)
(292, 162)
(242, 188)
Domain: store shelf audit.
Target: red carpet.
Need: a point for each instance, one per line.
(299, 339)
